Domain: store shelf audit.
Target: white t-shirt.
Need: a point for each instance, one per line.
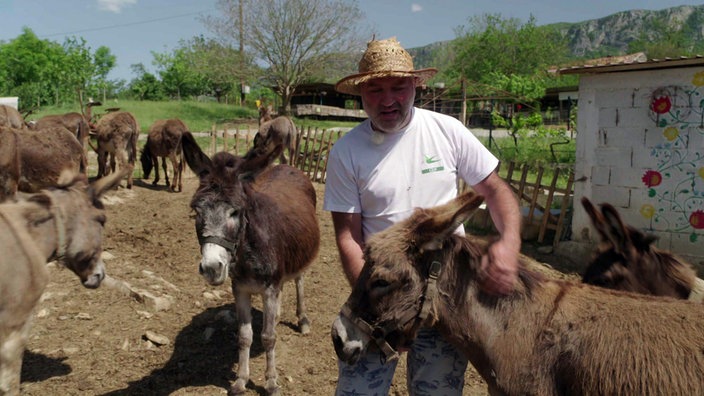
(386, 179)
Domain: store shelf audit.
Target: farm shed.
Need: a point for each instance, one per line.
(640, 147)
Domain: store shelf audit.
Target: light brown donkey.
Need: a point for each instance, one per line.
(547, 337)
(64, 223)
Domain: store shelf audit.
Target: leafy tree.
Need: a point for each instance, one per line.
(493, 50)
(145, 86)
(295, 39)
(220, 65)
(177, 77)
(104, 62)
(41, 72)
(79, 67)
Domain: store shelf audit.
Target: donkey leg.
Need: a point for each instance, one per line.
(271, 301)
(243, 305)
(303, 322)
(12, 348)
(155, 165)
(175, 179)
(166, 173)
(124, 164)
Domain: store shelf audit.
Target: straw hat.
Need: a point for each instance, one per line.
(383, 58)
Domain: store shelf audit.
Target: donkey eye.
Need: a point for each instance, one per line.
(380, 284)
(233, 212)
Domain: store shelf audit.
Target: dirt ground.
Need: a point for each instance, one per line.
(95, 342)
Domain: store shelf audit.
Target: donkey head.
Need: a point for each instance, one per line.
(146, 160)
(79, 216)
(395, 290)
(221, 203)
(627, 260)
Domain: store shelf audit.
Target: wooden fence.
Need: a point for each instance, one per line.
(545, 205)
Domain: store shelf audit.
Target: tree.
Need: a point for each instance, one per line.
(104, 61)
(219, 64)
(145, 86)
(295, 39)
(177, 77)
(491, 44)
(42, 71)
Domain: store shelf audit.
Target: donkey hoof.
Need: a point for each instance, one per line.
(304, 326)
(238, 388)
(272, 388)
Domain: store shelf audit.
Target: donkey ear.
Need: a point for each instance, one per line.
(616, 231)
(597, 219)
(260, 157)
(196, 159)
(104, 184)
(445, 219)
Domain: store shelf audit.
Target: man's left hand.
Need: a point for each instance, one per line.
(499, 268)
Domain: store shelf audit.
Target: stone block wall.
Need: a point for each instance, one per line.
(640, 147)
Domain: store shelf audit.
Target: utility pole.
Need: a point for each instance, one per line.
(242, 94)
(463, 116)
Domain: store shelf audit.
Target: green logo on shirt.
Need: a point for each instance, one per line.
(431, 159)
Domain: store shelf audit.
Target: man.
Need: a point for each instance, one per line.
(398, 159)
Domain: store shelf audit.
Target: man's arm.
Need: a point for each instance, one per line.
(350, 242)
(501, 261)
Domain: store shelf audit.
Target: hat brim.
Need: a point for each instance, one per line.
(350, 84)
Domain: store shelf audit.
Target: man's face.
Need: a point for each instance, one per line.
(388, 102)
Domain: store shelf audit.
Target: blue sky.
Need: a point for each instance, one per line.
(132, 29)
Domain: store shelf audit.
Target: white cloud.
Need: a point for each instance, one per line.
(416, 7)
(114, 5)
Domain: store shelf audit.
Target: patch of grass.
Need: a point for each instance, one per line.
(198, 116)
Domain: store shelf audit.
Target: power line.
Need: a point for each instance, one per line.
(123, 25)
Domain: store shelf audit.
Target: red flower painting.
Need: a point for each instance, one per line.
(696, 219)
(652, 178)
(661, 105)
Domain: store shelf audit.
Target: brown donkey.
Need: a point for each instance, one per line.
(117, 134)
(164, 140)
(548, 337)
(257, 224)
(64, 223)
(627, 260)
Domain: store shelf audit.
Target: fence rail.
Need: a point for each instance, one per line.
(545, 202)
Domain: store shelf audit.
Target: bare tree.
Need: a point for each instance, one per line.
(295, 39)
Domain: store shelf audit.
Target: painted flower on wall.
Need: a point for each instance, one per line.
(696, 219)
(671, 133)
(661, 104)
(698, 79)
(652, 178)
(647, 211)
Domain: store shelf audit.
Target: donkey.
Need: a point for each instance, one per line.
(117, 135)
(282, 131)
(264, 114)
(548, 337)
(73, 121)
(11, 117)
(63, 223)
(627, 260)
(164, 140)
(35, 159)
(257, 224)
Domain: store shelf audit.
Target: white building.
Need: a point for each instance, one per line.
(640, 147)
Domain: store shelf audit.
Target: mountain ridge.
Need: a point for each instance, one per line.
(611, 35)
